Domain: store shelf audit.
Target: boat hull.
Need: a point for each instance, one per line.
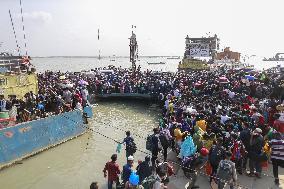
(27, 139)
(192, 64)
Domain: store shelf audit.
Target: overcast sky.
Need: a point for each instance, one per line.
(69, 27)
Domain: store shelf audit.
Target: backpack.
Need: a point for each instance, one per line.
(149, 142)
(216, 155)
(148, 182)
(131, 147)
(164, 139)
(225, 170)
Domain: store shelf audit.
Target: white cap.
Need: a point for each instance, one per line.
(130, 158)
(257, 131)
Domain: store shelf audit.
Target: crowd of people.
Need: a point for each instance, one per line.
(222, 120)
(57, 93)
(219, 120)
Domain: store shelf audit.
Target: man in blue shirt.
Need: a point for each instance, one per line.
(126, 172)
(128, 140)
(2, 103)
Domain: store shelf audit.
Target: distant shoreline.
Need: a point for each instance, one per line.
(102, 57)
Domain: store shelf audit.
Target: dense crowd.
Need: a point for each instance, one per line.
(230, 122)
(57, 93)
(121, 80)
(60, 92)
(222, 120)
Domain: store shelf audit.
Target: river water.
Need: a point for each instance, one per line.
(78, 162)
(87, 63)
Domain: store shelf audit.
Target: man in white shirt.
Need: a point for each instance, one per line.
(85, 94)
(167, 103)
(224, 118)
(231, 94)
(176, 93)
(67, 96)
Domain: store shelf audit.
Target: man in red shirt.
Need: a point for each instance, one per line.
(112, 170)
(279, 123)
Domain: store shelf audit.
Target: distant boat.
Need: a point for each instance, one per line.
(277, 57)
(174, 57)
(156, 62)
(113, 58)
(231, 64)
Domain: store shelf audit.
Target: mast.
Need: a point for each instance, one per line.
(133, 47)
(99, 44)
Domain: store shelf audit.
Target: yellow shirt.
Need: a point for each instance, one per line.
(178, 134)
(171, 108)
(202, 124)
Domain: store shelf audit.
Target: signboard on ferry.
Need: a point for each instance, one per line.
(199, 50)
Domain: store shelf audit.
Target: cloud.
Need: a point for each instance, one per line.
(37, 16)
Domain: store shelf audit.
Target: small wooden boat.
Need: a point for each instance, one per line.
(173, 57)
(156, 63)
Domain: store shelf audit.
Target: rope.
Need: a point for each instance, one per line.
(139, 136)
(18, 47)
(25, 40)
(147, 153)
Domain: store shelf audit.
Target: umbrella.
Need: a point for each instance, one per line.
(250, 77)
(191, 110)
(62, 77)
(223, 80)
(197, 84)
(66, 84)
(83, 82)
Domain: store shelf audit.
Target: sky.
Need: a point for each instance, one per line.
(69, 27)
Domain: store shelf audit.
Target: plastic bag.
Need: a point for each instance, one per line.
(188, 147)
(118, 148)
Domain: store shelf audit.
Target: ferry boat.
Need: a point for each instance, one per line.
(229, 64)
(19, 141)
(277, 57)
(174, 57)
(17, 76)
(229, 60)
(197, 50)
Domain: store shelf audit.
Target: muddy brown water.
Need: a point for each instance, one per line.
(78, 162)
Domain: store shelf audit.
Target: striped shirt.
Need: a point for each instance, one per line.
(277, 147)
